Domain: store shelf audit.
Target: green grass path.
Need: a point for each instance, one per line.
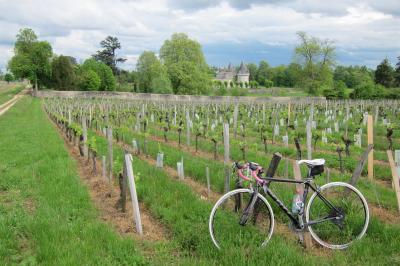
(9, 93)
(46, 216)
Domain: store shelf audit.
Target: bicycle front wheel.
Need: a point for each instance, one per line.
(337, 215)
(234, 222)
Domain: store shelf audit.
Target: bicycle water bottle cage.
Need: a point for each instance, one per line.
(316, 166)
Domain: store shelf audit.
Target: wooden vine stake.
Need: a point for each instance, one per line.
(110, 153)
(304, 236)
(395, 176)
(208, 181)
(104, 167)
(123, 178)
(235, 117)
(397, 163)
(309, 140)
(370, 133)
(132, 189)
(187, 128)
(84, 134)
(226, 156)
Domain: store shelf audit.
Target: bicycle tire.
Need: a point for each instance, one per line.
(233, 195)
(360, 223)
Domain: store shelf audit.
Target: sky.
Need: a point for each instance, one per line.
(364, 32)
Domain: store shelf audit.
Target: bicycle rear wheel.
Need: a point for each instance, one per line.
(231, 226)
(345, 221)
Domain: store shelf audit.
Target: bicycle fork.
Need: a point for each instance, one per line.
(249, 209)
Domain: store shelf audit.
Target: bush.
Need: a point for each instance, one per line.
(104, 72)
(368, 90)
(393, 93)
(253, 84)
(236, 91)
(329, 93)
(313, 87)
(161, 85)
(127, 87)
(89, 81)
(8, 77)
(337, 92)
(268, 83)
(221, 91)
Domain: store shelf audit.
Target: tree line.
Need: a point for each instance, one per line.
(314, 69)
(180, 68)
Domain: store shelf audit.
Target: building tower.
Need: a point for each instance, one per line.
(243, 74)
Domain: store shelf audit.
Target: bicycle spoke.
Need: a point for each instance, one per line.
(346, 220)
(227, 220)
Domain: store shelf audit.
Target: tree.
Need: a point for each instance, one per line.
(31, 58)
(108, 55)
(293, 75)
(186, 65)
(25, 38)
(353, 76)
(8, 77)
(253, 71)
(161, 85)
(384, 73)
(264, 73)
(89, 80)
(317, 57)
(279, 75)
(107, 79)
(397, 73)
(62, 73)
(338, 92)
(152, 74)
(368, 90)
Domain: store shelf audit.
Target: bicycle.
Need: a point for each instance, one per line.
(336, 214)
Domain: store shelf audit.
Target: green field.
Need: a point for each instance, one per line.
(46, 216)
(8, 91)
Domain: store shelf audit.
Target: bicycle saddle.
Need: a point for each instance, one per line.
(312, 163)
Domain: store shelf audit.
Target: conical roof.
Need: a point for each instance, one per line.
(243, 69)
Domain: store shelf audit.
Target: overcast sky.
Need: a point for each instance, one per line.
(365, 32)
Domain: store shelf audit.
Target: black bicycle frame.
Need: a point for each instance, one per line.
(307, 185)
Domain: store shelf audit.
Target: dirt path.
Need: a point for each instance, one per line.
(105, 197)
(7, 105)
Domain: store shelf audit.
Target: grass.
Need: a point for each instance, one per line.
(46, 216)
(9, 91)
(186, 216)
(195, 166)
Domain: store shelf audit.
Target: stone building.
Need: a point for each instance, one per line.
(243, 74)
(230, 73)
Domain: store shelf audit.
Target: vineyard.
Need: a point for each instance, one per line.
(182, 154)
(185, 141)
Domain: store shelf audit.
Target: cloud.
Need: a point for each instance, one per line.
(239, 4)
(227, 28)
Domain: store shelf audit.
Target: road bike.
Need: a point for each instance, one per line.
(336, 214)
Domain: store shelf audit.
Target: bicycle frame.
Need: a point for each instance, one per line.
(307, 186)
(264, 183)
